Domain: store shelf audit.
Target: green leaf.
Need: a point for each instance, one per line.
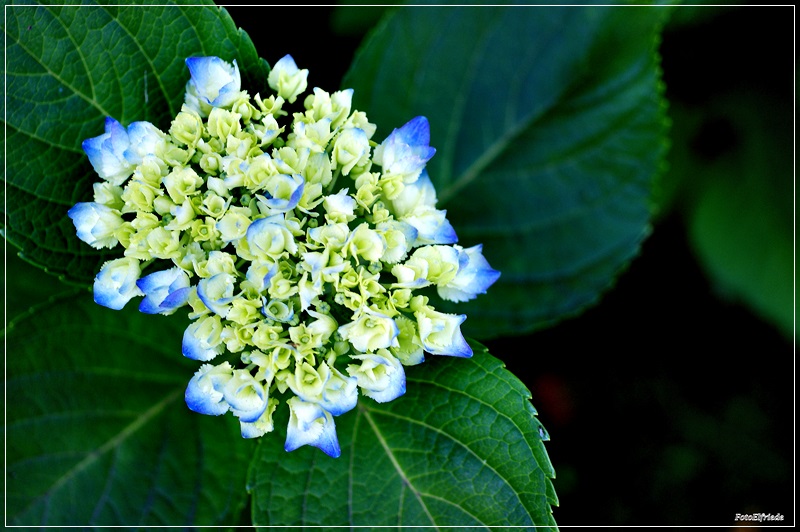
(354, 19)
(97, 432)
(741, 201)
(549, 129)
(26, 287)
(67, 68)
(461, 447)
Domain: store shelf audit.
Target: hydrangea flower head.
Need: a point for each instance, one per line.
(296, 243)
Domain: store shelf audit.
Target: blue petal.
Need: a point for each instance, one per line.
(204, 402)
(218, 306)
(197, 348)
(286, 63)
(444, 234)
(484, 278)
(114, 286)
(106, 153)
(285, 204)
(432, 227)
(83, 217)
(303, 429)
(406, 151)
(176, 299)
(93, 148)
(249, 430)
(200, 70)
(459, 348)
(243, 404)
(158, 286)
(416, 132)
(340, 393)
(109, 298)
(474, 276)
(396, 388)
(216, 81)
(144, 139)
(148, 306)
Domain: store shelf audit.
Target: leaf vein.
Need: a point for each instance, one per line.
(396, 464)
(77, 49)
(147, 58)
(450, 437)
(112, 443)
(58, 78)
(35, 136)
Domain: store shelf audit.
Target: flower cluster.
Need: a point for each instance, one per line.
(299, 260)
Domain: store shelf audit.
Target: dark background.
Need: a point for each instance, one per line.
(666, 403)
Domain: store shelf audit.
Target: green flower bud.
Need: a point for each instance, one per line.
(244, 108)
(267, 131)
(211, 162)
(442, 263)
(173, 155)
(222, 123)
(187, 128)
(282, 287)
(270, 106)
(181, 183)
(267, 337)
(350, 148)
(204, 230)
(359, 120)
(318, 170)
(366, 243)
(123, 233)
(244, 311)
(183, 216)
(392, 186)
(151, 171)
(139, 196)
(288, 80)
(214, 205)
(409, 349)
(163, 205)
(281, 311)
(164, 244)
(109, 195)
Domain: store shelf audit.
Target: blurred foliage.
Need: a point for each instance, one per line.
(731, 167)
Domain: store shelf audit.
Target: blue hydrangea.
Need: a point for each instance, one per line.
(297, 245)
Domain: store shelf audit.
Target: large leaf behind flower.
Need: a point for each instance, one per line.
(67, 68)
(549, 129)
(461, 447)
(97, 432)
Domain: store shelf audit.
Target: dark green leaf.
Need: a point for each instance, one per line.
(97, 432)
(356, 18)
(69, 67)
(738, 188)
(26, 287)
(461, 447)
(549, 127)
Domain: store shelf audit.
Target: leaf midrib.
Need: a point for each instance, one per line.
(113, 443)
(460, 443)
(393, 459)
(91, 101)
(493, 151)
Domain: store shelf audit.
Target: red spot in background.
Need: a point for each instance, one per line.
(553, 399)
